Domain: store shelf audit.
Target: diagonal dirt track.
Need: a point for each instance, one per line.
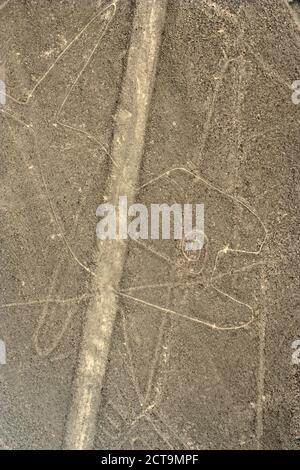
(127, 150)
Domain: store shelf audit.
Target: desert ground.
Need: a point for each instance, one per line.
(195, 98)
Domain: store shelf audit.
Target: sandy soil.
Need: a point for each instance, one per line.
(201, 352)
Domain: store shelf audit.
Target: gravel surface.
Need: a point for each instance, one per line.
(201, 349)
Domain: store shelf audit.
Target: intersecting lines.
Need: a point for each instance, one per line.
(39, 119)
(34, 128)
(131, 412)
(149, 399)
(211, 274)
(151, 358)
(136, 294)
(107, 13)
(243, 19)
(46, 315)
